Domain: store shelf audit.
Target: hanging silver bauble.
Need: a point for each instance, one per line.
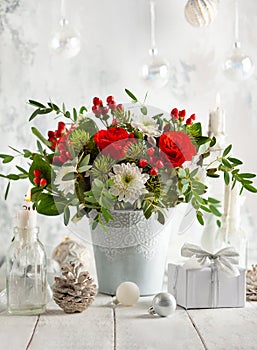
(163, 304)
(66, 41)
(238, 66)
(155, 71)
(200, 13)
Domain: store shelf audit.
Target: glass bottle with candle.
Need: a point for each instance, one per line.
(26, 267)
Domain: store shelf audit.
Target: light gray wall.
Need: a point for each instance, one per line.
(115, 41)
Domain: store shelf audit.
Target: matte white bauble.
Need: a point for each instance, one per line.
(127, 293)
(200, 13)
(66, 41)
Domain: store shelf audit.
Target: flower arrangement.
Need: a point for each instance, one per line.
(137, 161)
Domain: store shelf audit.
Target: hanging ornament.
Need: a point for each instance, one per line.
(75, 291)
(70, 250)
(163, 304)
(155, 71)
(201, 13)
(238, 66)
(66, 41)
(127, 293)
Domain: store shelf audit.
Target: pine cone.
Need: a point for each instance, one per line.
(251, 284)
(76, 290)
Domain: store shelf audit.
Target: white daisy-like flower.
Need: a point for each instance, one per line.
(129, 182)
(65, 186)
(146, 125)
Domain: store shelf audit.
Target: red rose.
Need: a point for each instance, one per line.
(113, 141)
(177, 146)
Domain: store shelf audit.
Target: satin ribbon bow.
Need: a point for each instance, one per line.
(224, 259)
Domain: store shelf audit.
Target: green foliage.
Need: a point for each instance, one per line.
(78, 140)
(101, 167)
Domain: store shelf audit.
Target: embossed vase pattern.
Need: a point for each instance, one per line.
(132, 249)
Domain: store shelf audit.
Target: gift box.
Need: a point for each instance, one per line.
(206, 287)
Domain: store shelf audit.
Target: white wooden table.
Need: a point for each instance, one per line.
(127, 328)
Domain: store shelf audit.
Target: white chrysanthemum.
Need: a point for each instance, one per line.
(146, 125)
(129, 182)
(65, 186)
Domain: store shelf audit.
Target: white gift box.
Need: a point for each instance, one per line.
(207, 287)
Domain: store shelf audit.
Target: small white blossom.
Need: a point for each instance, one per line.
(65, 186)
(146, 125)
(129, 182)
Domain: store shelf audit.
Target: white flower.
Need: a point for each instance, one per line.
(129, 182)
(146, 125)
(65, 186)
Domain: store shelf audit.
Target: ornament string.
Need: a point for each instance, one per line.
(152, 26)
(237, 42)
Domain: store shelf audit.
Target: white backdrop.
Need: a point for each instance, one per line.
(115, 38)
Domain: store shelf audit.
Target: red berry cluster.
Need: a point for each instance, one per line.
(153, 161)
(98, 107)
(38, 179)
(180, 115)
(59, 138)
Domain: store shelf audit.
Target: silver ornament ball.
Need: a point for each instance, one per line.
(163, 304)
(238, 66)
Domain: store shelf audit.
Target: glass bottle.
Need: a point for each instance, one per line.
(26, 273)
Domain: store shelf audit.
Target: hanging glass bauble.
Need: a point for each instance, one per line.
(200, 13)
(66, 41)
(155, 71)
(238, 66)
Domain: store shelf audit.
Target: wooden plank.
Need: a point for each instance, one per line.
(91, 329)
(16, 331)
(136, 329)
(233, 328)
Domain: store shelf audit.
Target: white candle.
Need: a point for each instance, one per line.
(217, 120)
(27, 216)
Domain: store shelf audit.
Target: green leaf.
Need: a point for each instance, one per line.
(36, 104)
(21, 169)
(226, 163)
(226, 177)
(40, 137)
(247, 175)
(250, 188)
(85, 160)
(67, 114)
(14, 149)
(34, 114)
(7, 190)
(69, 176)
(39, 147)
(143, 110)
(182, 173)
(132, 96)
(82, 109)
(214, 210)
(12, 177)
(213, 141)
(84, 168)
(213, 200)
(66, 215)
(218, 223)
(235, 161)
(53, 106)
(199, 216)
(49, 205)
(75, 115)
(8, 159)
(226, 151)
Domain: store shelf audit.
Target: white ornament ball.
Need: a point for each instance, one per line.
(127, 293)
(200, 13)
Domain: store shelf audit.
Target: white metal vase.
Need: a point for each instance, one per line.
(132, 249)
